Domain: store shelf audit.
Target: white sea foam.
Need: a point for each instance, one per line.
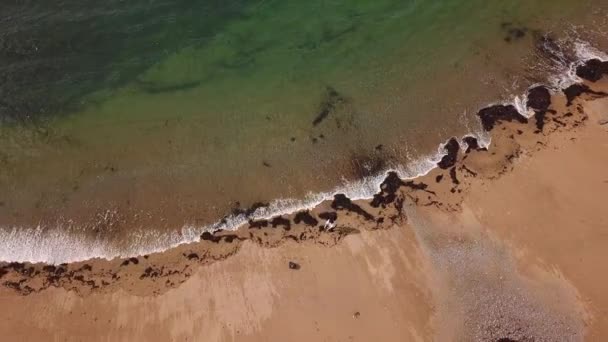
(59, 245)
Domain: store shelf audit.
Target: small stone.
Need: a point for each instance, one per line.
(293, 266)
(357, 314)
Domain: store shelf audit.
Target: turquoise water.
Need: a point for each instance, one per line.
(173, 113)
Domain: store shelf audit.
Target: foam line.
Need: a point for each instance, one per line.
(61, 246)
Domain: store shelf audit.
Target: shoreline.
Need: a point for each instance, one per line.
(38, 240)
(504, 243)
(323, 221)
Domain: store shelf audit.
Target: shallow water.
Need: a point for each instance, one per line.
(130, 119)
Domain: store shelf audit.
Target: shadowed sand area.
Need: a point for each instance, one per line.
(503, 244)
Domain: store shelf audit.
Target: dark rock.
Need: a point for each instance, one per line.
(576, 90)
(449, 159)
(192, 256)
(453, 176)
(208, 236)
(330, 216)
(341, 202)
(294, 266)
(539, 98)
(306, 217)
(367, 165)
(281, 221)
(593, 70)
(539, 117)
(258, 224)
(493, 115)
(388, 190)
(438, 178)
(472, 144)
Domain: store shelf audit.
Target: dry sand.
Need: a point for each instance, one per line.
(501, 245)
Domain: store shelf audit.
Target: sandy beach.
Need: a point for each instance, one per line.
(503, 244)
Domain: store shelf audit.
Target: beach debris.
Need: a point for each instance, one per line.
(329, 225)
(449, 159)
(330, 101)
(593, 70)
(357, 314)
(265, 163)
(490, 116)
(294, 266)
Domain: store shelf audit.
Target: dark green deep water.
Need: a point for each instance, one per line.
(179, 111)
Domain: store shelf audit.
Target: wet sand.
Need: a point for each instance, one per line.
(504, 244)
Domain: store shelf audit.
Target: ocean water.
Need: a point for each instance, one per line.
(130, 126)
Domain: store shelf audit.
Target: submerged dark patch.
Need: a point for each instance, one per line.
(53, 56)
(493, 115)
(512, 32)
(364, 165)
(157, 88)
(331, 100)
